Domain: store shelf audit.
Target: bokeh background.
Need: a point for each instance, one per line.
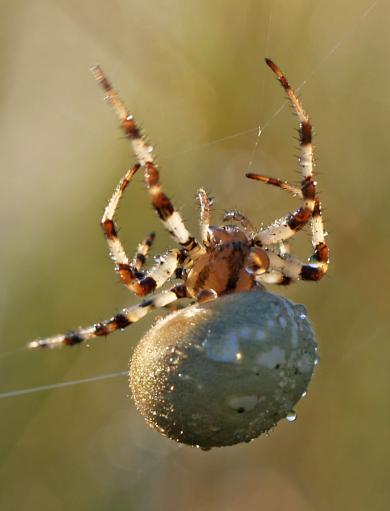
(192, 73)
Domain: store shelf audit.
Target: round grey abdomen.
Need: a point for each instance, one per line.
(225, 371)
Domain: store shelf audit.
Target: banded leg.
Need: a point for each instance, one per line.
(321, 250)
(284, 248)
(143, 248)
(141, 283)
(120, 321)
(287, 226)
(294, 190)
(274, 277)
(205, 215)
(169, 216)
(287, 269)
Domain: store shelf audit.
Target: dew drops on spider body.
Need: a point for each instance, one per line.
(228, 367)
(223, 384)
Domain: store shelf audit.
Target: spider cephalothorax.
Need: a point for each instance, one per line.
(229, 265)
(234, 320)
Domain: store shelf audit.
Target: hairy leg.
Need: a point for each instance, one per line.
(120, 321)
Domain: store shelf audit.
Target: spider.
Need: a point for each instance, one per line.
(228, 259)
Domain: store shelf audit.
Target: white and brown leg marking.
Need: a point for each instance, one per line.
(169, 216)
(143, 248)
(120, 321)
(319, 259)
(287, 226)
(141, 283)
(205, 215)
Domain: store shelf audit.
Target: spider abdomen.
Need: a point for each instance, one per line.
(223, 372)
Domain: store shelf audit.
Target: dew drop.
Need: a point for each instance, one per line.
(317, 360)
(291, 416)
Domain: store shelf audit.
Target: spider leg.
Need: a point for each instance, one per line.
(286, 269)
(120, 321)
(237, 216)
(276, 182)
(205, 215)
(143, 248)
(141, 283)
(284, 248)
(305, 127)
(321, 251)
(169, 216)
(320, 256)
(274, 277)
(287, 226)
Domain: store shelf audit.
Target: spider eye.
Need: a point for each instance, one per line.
(225, 371)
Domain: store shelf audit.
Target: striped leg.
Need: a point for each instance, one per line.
(274, 277)
(287, 226)
(284, 248)
(141, 283)
(161, 203)
(205, 215)
(141, 255)
(320, 256)
(287, 269)
(118, 322)
(276, 182)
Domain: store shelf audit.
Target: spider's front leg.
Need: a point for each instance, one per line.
(287, 269)
(284, 268)
(169, 216)
(239, 217)
(140, 282)
(205, 215)
(123, 319)
(287, 226)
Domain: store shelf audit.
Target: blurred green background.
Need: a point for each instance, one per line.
(192, 72)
